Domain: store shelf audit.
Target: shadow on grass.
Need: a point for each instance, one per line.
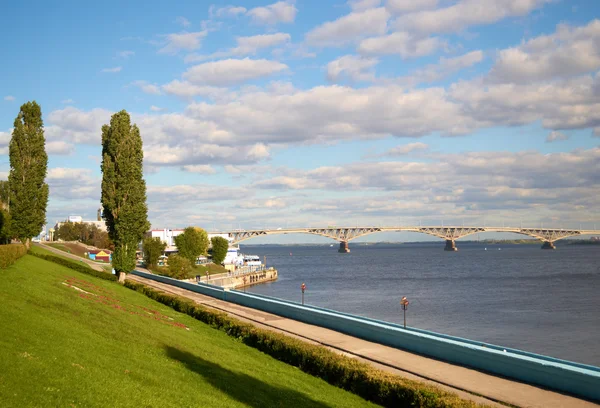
(241, 387)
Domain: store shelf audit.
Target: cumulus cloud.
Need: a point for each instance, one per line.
(227, 11)
(154, 108)
(125, 54)
(4, 141)
(73, 183)
(569, 51)
(199, 168)
(9, 98)
(360, 5)
(182, 41)
(187, 90)
(351, 67)
(146, 87)
(401, 43)
(245, 46)
(444, 68)
(76, 126)
(67, 101)
(59, 147)
(232, 71)
(404, 149)
(555, 136)
(405, 6)
(349, 28)
(184, 22)
(463, 14)
(113, 70)
(280, 12)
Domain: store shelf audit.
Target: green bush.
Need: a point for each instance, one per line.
(344, 372)
(77, 266)
(10, 253)
(179, 267)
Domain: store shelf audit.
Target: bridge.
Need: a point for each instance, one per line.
(346, 234)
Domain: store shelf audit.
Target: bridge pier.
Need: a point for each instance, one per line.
(450, 245)
(548, 245)
(344, 247)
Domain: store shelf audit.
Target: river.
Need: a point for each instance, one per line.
(518, 296)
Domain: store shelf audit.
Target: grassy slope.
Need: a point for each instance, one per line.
(58, 348)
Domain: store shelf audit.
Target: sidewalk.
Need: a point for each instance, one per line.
(468, 383)
(94, 265)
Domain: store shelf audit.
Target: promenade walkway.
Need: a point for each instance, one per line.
(468, 383)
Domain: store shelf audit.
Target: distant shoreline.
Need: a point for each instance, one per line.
(486, 241)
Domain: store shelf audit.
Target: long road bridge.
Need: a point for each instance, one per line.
(346, 234)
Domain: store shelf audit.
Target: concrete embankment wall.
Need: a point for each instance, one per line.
(573, 378)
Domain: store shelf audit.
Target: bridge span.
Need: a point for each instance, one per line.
(450, 234)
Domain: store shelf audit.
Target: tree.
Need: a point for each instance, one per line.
(179, 267)
(153, 249)
(219, 249)
(192, 243)
(28, 169)
(123, 190)
(5, 234)
(4, 195)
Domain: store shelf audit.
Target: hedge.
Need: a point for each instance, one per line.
(10, 253)
(341, 371)
(78, 266)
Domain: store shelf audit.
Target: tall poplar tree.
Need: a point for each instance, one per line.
(123, 190)
(28, 169)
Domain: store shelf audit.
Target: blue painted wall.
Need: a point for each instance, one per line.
(574, 378)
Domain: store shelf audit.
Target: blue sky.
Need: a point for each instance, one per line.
(311, 113)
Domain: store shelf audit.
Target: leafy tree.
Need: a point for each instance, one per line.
(28, 168)
(192, 243)
(89, 234)
(219, 249)
(4, 194)
(5, 235)
(123, 190)
(179, 267)
(153, 249)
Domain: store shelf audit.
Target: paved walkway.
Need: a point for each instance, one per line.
(94, 265)
(468, 383)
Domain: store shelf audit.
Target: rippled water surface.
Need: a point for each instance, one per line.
(517, 296)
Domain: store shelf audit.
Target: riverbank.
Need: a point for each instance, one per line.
(240, 278)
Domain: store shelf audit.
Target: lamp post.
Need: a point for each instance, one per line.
(244, 284)
(404, 302)
(303, 287)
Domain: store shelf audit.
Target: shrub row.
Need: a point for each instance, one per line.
(341, 371)
(10, 253)
(78, 266)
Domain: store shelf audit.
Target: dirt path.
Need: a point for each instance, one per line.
(92, 264)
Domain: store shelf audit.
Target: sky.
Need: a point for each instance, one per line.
(256, 114)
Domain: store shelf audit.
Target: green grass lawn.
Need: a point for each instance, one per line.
(72, 340)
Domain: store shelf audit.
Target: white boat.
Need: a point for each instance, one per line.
(252, 260)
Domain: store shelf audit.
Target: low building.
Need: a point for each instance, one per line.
(102, 255)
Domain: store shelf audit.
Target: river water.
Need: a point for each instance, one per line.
(518, 296)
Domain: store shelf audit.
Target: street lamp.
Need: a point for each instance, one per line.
(404, 302)
(244, 284)
(303, 287)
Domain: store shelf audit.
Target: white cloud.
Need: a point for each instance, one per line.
(125, 54)
(157, 109)
(182, 41)
(405, 149)
(199, 168)
(569, 51)
(463, 14)
(148, 88)
(405, 6)
(60, 147)
(112, 70)
(9, 98)
(556, 136)
(184, 22)
(77, 126)
(352, 67)
(349, 28)
(401, 43)
(5, 141)
(67, 101)
(444, 68)
(245, 46)
(232, 71)
(73, 183)
(228, 11)
(187, 90)
(280, 12)
(360, 5)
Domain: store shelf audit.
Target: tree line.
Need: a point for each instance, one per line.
(89, 234)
